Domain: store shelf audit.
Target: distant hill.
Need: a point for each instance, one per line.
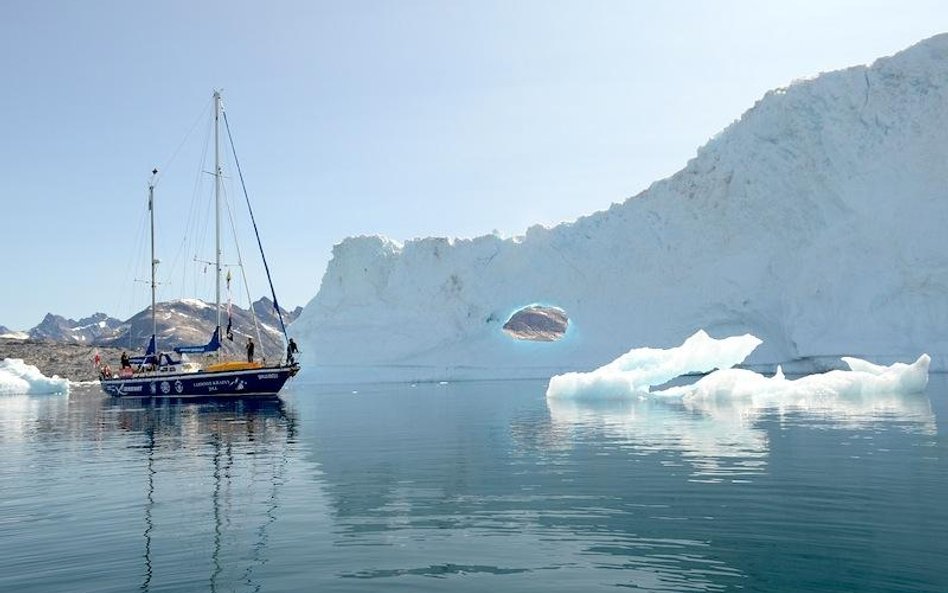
(180, 322)
(192, 321)
(55, 328)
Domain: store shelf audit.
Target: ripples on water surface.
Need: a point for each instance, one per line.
(472, 486)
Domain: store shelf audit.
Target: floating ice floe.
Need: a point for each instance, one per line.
(641, 369)
(17, 377)
(863, 378)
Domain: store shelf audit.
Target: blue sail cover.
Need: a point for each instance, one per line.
(149, 357)
(213, 346)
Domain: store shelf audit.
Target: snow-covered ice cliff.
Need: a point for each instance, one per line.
(813, 222)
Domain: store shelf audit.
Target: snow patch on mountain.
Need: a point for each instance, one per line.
(195, 303)
(813, 222)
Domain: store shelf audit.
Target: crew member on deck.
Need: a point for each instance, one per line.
(126, 363)
(291, 351)
(249, 349)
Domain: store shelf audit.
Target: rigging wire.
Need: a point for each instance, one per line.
(191, 226)
(263, 256)
(174, 155)
(198, 225)
(127, 303)
(156, 179)
(243, 274)
(196, 230)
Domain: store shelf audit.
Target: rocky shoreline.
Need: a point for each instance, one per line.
(70, 361)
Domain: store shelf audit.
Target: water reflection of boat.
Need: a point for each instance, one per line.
(214, 434)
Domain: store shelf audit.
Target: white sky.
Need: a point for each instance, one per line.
(400, 118)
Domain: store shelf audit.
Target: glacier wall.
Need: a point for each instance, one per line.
(814, 222)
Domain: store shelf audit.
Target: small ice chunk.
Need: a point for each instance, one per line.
(17, 377)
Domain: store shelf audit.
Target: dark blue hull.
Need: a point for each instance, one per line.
(265, 381)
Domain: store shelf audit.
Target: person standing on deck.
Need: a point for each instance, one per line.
(249, 349)
(291, 351)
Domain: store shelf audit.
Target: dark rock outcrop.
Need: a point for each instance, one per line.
(537, 323)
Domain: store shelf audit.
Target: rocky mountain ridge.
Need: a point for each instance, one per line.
(87, 330)
(66, 347)
(179, 322)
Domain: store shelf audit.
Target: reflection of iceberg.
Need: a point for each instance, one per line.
(641, 368)
(726, 437)
(17, 377)
(728, 445)
(713, 422)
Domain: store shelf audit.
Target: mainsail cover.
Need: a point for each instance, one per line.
(213, 346)
(149, 357)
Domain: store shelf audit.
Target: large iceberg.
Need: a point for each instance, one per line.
(17, 377)
(814, 222)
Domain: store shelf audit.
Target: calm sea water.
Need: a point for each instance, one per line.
(472, 487)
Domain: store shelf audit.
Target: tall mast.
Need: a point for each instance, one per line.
(217, 209)
(154, 262)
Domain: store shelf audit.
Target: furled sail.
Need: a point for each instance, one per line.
(213, 346)
(149, 357)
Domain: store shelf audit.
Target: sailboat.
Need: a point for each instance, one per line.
(169, 374)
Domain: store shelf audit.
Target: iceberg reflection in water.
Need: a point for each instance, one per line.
(719, 436)
(712, 421)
